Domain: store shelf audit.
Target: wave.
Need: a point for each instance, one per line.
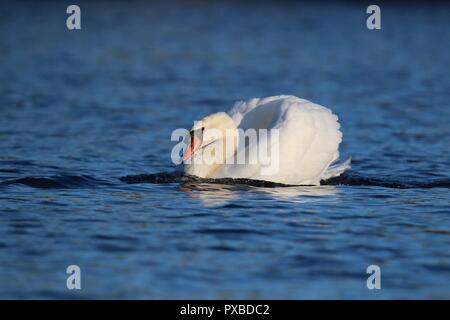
(179, 177)
(78, 181)
(354, 180)
(344, 180)
(56, 182)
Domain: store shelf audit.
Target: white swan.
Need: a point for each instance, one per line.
(307, 143)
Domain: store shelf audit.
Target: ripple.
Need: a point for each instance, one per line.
(77, 181)
(222, 248)
(343, 180)
(59, 181)
(239, 231)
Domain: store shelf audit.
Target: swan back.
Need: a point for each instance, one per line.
(309, 138)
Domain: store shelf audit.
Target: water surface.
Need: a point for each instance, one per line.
(81, 109)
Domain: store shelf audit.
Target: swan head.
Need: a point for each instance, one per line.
(206, 145)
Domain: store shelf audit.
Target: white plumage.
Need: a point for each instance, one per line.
(308, 143)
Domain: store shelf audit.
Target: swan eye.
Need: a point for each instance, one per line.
(196, 134)
(192, 136)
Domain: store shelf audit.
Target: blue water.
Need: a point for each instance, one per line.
(81, 109)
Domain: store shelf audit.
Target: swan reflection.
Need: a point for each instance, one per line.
(214, 195)
(210, 195)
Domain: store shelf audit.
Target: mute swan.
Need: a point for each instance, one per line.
(301, 142)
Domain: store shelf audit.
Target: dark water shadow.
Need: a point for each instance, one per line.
(82, 181)
(343, 180)
(57, 182)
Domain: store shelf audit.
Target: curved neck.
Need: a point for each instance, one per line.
(213, 155)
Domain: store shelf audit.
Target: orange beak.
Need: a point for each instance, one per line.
(195, 143)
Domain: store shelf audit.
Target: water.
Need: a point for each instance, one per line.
(81, 109)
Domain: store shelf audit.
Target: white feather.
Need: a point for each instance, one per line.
(309, 138)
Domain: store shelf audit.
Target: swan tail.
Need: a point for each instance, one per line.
(337, 169)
